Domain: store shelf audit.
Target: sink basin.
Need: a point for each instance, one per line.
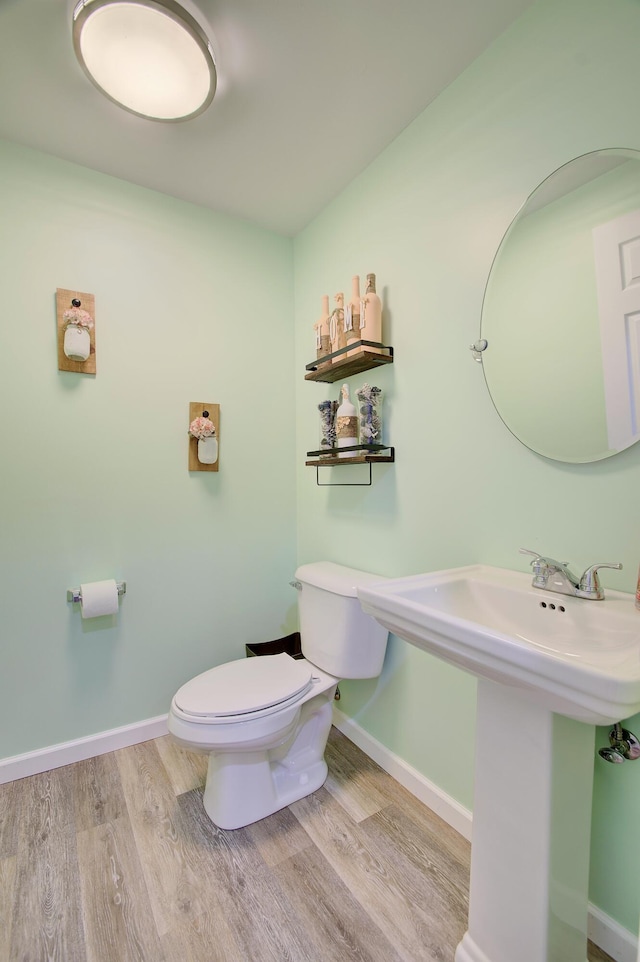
(578, 658)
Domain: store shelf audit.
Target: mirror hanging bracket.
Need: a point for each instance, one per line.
(477, 348)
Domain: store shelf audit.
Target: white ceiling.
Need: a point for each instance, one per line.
(309, 92)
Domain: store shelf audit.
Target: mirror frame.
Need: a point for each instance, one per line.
(485, 341)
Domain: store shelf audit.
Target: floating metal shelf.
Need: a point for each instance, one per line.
(362, 454)
(330, 457)
(328, 370)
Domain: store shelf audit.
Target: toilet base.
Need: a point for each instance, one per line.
(245, 786)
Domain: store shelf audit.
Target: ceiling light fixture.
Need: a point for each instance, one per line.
(149, 56)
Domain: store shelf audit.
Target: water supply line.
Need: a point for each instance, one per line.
(623, 746)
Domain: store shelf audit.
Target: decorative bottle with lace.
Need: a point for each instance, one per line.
(321, 327)
(371, 321)
(352, 316)
(336, 327)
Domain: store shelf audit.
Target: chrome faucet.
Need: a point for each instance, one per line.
(556, 576)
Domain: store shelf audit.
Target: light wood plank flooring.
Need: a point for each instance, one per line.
(114, 860)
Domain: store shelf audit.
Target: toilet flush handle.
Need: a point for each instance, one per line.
(296, 584)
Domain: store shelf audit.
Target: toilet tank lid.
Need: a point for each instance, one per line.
(335, 578)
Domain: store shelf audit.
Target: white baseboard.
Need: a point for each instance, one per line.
(55, 756)
(603, 930)
(444, 805)
(613, 938)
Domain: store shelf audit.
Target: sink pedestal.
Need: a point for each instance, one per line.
(531, 832)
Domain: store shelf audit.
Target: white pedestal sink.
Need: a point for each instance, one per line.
(550, 667)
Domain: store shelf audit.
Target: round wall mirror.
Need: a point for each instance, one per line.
(561, 312)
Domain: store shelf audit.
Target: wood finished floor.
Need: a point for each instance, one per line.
(114, 860)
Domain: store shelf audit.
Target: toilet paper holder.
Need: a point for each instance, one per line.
(75, 594)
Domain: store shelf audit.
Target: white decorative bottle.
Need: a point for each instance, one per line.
(352, 316)
(371, 320)
(346, 424)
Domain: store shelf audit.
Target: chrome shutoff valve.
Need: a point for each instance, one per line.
(623, 746)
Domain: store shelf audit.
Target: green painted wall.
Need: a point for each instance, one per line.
(190, 305)
(95, 482)
(427, 216)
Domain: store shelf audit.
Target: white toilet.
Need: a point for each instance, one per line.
(264, 722)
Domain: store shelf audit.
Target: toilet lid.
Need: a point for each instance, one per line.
(243, 686)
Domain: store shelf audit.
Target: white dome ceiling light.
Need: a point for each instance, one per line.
(149, 56)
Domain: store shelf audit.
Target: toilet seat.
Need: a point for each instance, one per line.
(247, 687)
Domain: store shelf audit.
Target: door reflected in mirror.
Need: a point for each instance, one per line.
(561, 312)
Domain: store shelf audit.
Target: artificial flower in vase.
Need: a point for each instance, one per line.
(203, 429)
(328, 427)
(369, 414)
(77, 333)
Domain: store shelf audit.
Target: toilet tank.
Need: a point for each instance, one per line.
(337, 636)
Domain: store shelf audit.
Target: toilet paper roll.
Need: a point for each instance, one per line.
(99, 598)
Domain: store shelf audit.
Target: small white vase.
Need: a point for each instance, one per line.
(77, 343)
(346, 424)
(207, 450)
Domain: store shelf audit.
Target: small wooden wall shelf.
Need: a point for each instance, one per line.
(358, 454)
(196, 409)
(337, 366)
(63, 303)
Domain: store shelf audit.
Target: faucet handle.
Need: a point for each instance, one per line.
(536, 554)
(539, 565)
(538, 559)
(590, 582)
(542, 568)
(544, 561)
